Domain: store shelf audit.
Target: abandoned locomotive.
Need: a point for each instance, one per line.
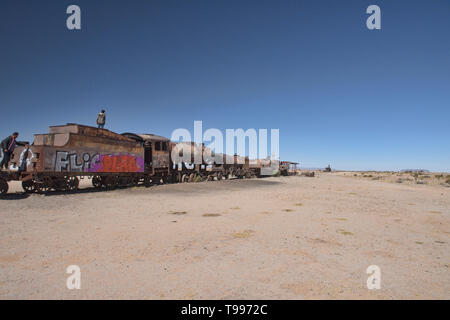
(56, 161)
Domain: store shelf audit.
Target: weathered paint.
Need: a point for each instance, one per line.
(82, 149)
(85, 162)
(117, 163)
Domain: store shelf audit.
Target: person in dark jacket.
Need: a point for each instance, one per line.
(101, 119)
(8, 145)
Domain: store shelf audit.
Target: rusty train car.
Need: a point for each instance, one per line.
(58, 159)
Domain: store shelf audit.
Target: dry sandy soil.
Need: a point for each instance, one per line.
(273, 238)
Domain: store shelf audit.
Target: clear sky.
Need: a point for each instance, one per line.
(339, 93)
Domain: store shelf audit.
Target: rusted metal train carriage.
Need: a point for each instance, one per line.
(288, 168)
(227, 166)
(56, 160)
(156, 155)
(188, 170)
(183, 166)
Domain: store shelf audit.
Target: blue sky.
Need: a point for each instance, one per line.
(339, 93)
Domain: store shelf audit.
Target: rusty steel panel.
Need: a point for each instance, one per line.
(161, 159)
(84, 149)
(86, 131)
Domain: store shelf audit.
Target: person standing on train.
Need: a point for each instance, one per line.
(101, 119)
(8, 145)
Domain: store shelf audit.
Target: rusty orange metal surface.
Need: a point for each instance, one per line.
(80, 149)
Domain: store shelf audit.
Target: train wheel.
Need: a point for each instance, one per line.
(44, 185)
(72, 183)
(104, 181)
(122, 182)
(97, 182)
(147, 181)
(28, 186)
(113, 182)
(3, 186)
(129, 181)
(107, 181)
(59, 184)
(219, 176)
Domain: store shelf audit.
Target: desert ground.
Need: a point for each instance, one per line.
(274, 238)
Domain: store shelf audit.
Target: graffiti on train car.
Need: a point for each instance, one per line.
(25, 158)
(67, 161)
(117, 163)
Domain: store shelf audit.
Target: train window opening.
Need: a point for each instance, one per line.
(148, 155)
(164, 146)
(158, 146)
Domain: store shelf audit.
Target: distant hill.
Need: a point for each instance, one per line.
(414, 170)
